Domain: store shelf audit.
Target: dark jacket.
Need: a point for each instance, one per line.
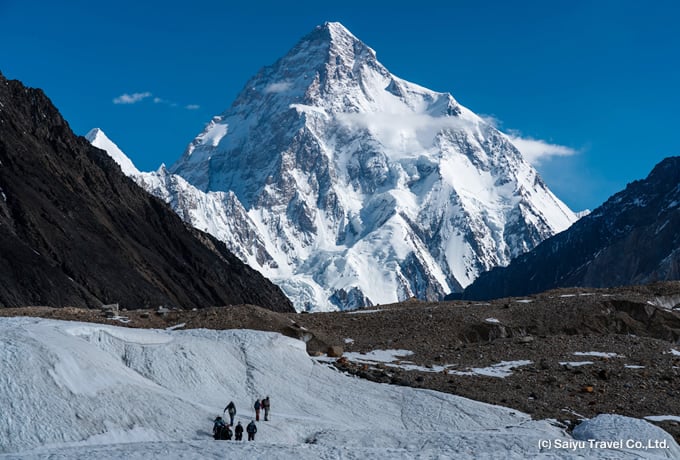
(218, 428)
(219, 424)
(238, 429)
(252, 428)
(231, 408)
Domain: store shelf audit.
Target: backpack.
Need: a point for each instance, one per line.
(257, 404)
(219, 432)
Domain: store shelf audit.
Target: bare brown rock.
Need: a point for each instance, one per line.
(334, 351)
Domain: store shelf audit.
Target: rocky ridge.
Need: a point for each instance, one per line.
(75, 231)
(633, 238)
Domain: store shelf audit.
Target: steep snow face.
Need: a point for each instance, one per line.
(97, 138)
(363, 188)
(218, 213)
(80, 390)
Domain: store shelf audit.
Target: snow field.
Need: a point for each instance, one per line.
(112, 392)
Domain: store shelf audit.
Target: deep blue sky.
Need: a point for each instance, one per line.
(599, 77)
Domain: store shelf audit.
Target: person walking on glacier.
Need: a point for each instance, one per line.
(257, 406)
(231, 408)
(251, 429)
(265, 406)
(238, 432)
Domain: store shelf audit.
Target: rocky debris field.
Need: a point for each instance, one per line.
(565, 354)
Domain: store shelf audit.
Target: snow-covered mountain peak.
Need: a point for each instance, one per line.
(337, 31)
(344, 45)
(327, 61)
(99, 139)
(93, 133)
(331, 43)
(329, 76)
(350, 186)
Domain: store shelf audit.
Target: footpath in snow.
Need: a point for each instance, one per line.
(81, 390)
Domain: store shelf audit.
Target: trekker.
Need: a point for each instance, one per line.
(238, 431)
(265, 405)
(257, 409)
(251, 429)
(218, 428)
(231, 408)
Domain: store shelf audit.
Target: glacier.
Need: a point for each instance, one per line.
(348, 186)
(71, 390)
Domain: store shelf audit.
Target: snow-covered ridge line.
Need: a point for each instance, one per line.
(97, 138)
(112, 392)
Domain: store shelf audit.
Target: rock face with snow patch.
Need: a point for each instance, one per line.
(74, 231)
(633, 238)
(217, 213)
(354, 187)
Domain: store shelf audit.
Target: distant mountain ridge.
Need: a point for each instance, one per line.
(348, 186)
(75, 231)
(633, 238)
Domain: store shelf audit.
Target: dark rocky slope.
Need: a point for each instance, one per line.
(633, 238)
(74, 230)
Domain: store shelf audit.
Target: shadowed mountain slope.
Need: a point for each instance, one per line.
(633, 238)
(74, 230)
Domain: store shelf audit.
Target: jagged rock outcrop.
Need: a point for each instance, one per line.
(633, 238)
(75, 231)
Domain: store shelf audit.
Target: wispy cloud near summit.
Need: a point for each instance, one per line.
(533, 150)
(278, 87)
(131, 98)
(536, 150)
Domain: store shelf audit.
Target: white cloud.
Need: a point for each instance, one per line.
(131, 98)
(138, 97)
(535, 151)
(160, 100)
(278, 87)
(492, 120)
(408, 133)
(413, 132)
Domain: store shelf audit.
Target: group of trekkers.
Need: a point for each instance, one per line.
(223, 430)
